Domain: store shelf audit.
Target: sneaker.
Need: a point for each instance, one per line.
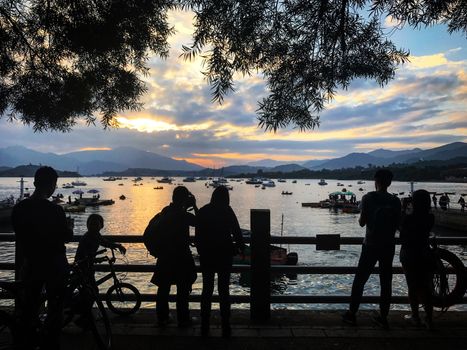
(414, 321)
(380, 321)
(349, 318)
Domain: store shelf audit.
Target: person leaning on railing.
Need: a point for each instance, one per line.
(41, 230)
(218, 238)
(381, 215)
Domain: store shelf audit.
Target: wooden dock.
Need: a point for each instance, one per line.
(287, 329)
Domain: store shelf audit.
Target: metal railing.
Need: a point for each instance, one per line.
(260, 297)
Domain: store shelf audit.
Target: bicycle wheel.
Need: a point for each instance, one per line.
(123, 299)
(7, 331)
(448, 287)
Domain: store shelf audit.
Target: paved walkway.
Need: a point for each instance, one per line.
(315, 330)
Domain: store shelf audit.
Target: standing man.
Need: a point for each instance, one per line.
(380, 214)
(41, 230)
(461, 201)
(175, 264)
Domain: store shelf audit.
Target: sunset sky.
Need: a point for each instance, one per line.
(425, 106)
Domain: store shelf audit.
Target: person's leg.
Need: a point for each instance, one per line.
(183, 311)
(28, 317)
(162, 303)
(55, 290)
(365, 266)
(206, 296)
(412, 288)
(223, 284)
(386, 256)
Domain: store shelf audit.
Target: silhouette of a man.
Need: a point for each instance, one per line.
(41, 230)
(175, 264)
(380, 214)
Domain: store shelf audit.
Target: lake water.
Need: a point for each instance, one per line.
(142, 202)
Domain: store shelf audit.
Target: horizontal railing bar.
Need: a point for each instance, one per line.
(138, 238)
(283, 269)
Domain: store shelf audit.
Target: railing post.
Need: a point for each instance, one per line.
(260, 294)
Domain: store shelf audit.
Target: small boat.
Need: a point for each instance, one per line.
(137, 179)
(281, 180)
(68, 185)
(349, 185)
(79, 183)
(307, 184)
(257, 185)
(286, 193)
(361, 189)
(158, 188)
(279, 256)
(189, 179)
(110, 178)
(340, 184)
(269, 183)
(122, 197)
(120, 184)
(294, 181)
(73, 208)
(322, 182)
(360, 182)
(254, 181)
(165, 180)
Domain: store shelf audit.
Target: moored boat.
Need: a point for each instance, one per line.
(322, 182)
(165, 180)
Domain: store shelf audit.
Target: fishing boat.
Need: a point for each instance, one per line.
(110, 178)
(122, 197)
(281, 180)
(79, 183)
(158, 188)
(137, 179)
(165, 180)
(322, 182)
(286, 193)
(73, 208)
(294, 181)
(189, 179)
(360, 182)
(254, 181)
(68, 185)
(269, 183)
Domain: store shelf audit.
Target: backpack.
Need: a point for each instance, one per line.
(153, 236)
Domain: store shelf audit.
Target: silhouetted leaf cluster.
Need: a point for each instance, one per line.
(65, 60)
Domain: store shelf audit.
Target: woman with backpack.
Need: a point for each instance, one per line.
(218, 238)
(167, 239)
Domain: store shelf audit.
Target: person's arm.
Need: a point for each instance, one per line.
(236, 231)
(362, 220)
(104, 242)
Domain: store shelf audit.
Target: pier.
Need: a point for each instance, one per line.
(261, 326)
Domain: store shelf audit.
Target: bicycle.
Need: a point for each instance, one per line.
(78, 288)
(121, 298)
(449, 277)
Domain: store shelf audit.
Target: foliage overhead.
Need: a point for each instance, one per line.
(65, 60)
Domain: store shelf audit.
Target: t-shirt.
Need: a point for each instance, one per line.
(382, 211)
(41, 231)
(88, 245)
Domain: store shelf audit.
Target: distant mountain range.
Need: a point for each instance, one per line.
(94, 162)
(131, 159)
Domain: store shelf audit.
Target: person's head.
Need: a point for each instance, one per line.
(95, 223)
(45, 180)
(220, 197)
(421, 201)
(180, 196)
(383, 179)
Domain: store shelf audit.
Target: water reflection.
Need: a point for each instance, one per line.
(130, 216)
